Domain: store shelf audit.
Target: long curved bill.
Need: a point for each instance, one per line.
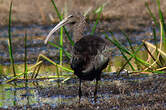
(62, 23)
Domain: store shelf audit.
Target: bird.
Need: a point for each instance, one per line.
(90, 53)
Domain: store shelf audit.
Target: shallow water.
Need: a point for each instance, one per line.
(25, 94)
(48, 92)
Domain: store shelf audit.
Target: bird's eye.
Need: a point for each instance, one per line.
(70, 16)
(72, 22)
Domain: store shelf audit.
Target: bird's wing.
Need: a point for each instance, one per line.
(81, 63)
(101, 58)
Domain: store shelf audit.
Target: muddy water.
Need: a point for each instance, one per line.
(36, 35)
(134, 92)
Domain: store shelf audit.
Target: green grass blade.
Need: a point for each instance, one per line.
(163, 29)
(56, 9)
(59, 66)
(128, 40)
(60, 17)
(151, 54)
(154, 36)
(151, 14)
(59, 47)
(37, 71)
(161, 15)
(128, 60)
(126, 51)
(1, 70)
(61, 44)
(10, 40)
(15, 77)
(123, 54)
(98, 11)
(158, 72)
(25, 57)
(131, 47)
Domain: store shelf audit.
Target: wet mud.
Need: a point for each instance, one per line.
(123, 93)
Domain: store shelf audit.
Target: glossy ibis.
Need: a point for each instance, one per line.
(89, 54)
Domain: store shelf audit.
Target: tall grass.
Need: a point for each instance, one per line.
(153, 63)
(61, 44)
(128, 54)
(25, 57)
(125, 51)
(60, 17)
(98, 12)
(163, 31)
(159, 24)
(10, 41)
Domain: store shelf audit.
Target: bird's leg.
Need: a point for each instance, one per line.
(80, 92)
(95, 93)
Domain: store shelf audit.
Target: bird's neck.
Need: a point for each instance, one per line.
(78, 30)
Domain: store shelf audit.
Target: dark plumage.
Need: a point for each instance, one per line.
(89, 54)
(88, 59)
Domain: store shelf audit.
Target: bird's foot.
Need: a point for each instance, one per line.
(95, 98)
(80, 94)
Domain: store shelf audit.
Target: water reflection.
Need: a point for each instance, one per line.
(28, 94)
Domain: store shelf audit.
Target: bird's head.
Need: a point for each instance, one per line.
(71, 19)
